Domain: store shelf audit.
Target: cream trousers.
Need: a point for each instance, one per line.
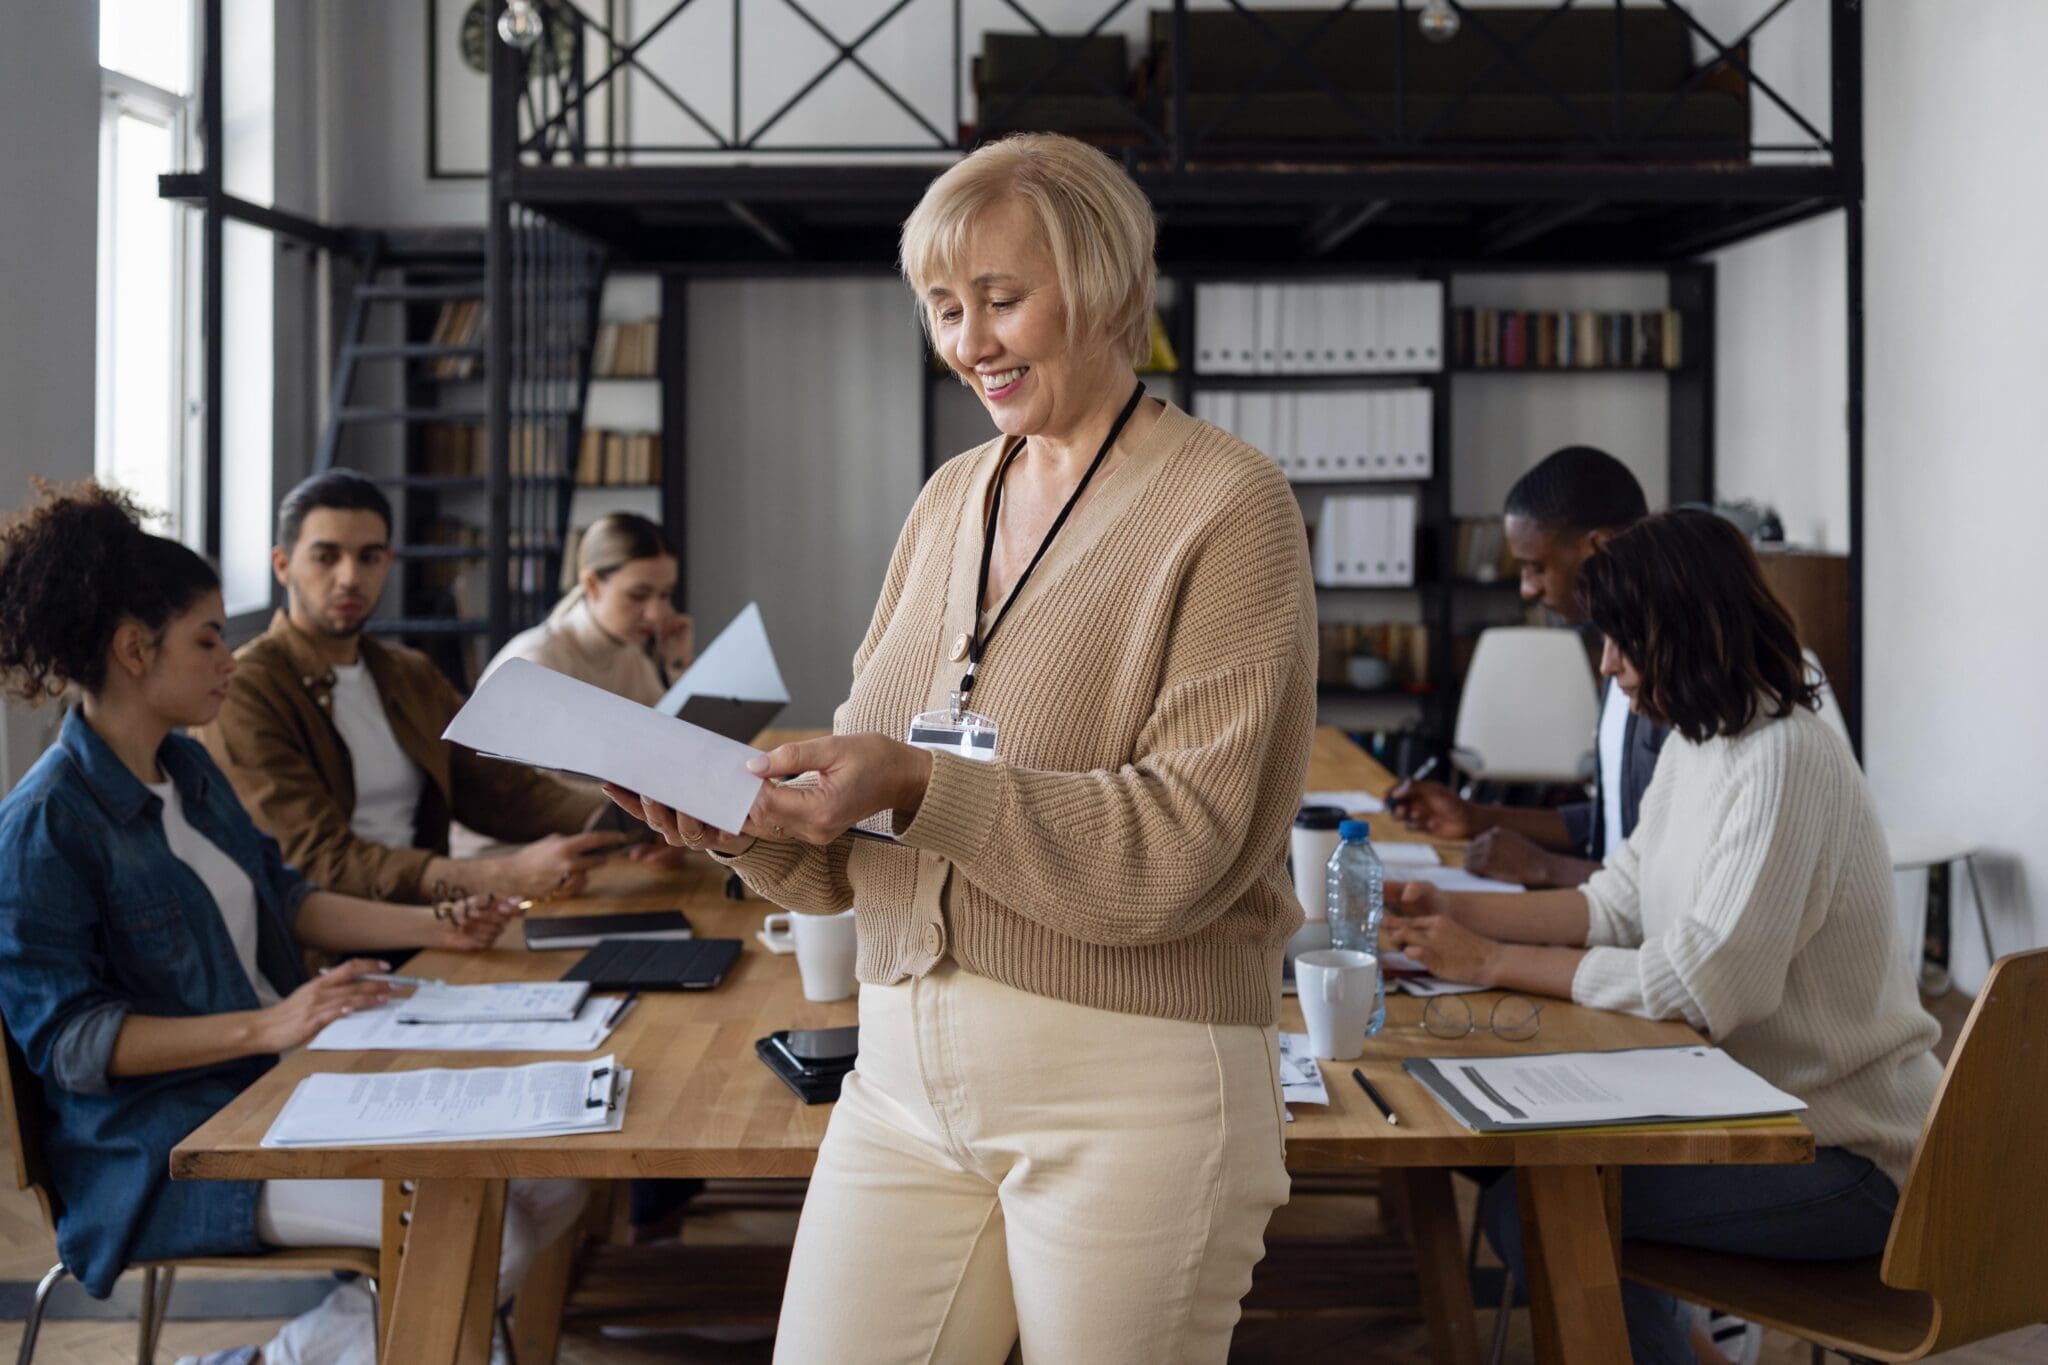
(1005, 1167)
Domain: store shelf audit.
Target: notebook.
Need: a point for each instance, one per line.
(696, 964)
(500, 1002)
(586, 931)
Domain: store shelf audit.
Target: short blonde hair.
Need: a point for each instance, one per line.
(1093, 220)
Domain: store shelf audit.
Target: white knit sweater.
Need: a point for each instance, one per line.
(1754, 901)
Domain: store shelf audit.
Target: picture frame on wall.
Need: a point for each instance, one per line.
(459, 34)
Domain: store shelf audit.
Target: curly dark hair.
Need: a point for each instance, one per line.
(1682, 596)
(72, 568)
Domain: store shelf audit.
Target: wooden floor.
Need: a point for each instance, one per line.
(26, 1252)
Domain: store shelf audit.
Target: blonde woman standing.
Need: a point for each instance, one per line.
(1084, 707)
(617, 628)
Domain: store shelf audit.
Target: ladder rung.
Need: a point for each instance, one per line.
(457, 415)
(420, 293)
(409, 350)
(440, 551)
(460, 481)
(429, 625)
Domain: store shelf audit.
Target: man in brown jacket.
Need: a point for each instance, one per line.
(332, 739)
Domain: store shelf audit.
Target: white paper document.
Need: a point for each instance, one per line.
(497, 1002)
(1301, 1080)
(735, 687)
(1452, 879)
(1425, 985)
(543, 1099)
(530, 714)
(1643, 1085)
(1394, 853)
(379, 1030)
(1351, 803)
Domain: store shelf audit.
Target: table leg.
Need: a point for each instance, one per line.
(537, 1310)
(1574, 1279)
(443, 1304)
(1439, 1263)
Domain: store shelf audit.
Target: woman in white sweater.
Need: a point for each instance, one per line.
(1753, 901)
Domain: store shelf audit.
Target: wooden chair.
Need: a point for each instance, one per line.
(21, 1107)
(1958, 1266)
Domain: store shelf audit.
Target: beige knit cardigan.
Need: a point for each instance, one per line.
(1154, 685)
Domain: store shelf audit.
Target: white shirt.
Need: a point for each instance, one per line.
(230, 887)
(1754, 901)
(388, 783)
(1613, 734)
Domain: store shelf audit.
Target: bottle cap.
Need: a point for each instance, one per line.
(1354, 829)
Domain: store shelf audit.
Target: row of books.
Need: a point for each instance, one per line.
(627, 350)
(1481, 551)
(460, 323)
(1404, 646)
(1331, 437)
(1320, 328)
(611, 458)
(463, 450)
(1365, 541)
(1512, 339)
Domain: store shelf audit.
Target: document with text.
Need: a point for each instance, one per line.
(440, 1104)
(1595, 1089)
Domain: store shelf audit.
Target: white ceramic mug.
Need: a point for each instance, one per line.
(1337, 987)
(826, 946)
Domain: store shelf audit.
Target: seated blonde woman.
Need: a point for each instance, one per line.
(618, 627)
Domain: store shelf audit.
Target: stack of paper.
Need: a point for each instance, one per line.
(1301, 1080)
(1331, 437)
(544, 1099)
(381, 1030)
(1600, 1089)
(1325, 327)
(1351, 803)
(498, 1002)
(1366, 541)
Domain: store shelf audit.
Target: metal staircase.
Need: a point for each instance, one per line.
(409, 408)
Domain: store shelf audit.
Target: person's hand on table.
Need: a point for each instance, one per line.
(474, 924)
(1432, 808)
(1417, 925)
(1507, 856)
(340, 990)
(558, 863)
(856, 776)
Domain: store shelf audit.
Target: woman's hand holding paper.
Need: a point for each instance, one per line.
(856, 776)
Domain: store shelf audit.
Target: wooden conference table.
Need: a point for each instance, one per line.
(704, 1105)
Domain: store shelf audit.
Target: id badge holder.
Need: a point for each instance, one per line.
(966, 733)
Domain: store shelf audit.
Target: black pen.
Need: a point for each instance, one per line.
(1363, 1084)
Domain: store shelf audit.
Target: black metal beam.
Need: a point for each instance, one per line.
(190, 187)
(1740, 226)
(1338, 224)
(1846, 34)
(1519, 227)
(776, 239)
(506, 77)
(213, 310)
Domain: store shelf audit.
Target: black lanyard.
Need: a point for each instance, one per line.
(977, 642)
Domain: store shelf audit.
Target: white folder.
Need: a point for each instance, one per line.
(1269, 311)
(1209, 327)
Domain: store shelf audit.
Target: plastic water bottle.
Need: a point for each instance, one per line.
(1354, 894)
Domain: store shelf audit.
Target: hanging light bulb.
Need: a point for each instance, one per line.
(1439, 22)
(520, 24)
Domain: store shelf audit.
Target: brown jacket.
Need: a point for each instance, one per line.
(275, 739)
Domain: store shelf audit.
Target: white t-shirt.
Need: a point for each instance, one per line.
(230, 887)
(388, 783)
(1613, 734)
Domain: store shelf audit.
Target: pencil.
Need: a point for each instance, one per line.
(1378, 1103)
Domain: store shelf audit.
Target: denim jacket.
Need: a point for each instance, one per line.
(99, 918)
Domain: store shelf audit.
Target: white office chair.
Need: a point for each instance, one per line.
(1529, 709)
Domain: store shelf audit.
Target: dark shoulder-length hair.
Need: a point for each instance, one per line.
(1683, 598)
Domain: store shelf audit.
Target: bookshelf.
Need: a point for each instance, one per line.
(623, 460)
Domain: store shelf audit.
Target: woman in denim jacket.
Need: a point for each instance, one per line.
(150, 935)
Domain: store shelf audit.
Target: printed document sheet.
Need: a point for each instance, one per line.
(544, 1099)
(530, 714)
(379, 1030)
(1589, 1089)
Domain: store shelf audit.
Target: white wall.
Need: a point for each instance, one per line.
(1955, 473)
(49, 100)
(376, 172)
(804, 459)
(1781, 434)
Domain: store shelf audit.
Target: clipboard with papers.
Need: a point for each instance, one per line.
(1638, 1087)
(735, 687)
